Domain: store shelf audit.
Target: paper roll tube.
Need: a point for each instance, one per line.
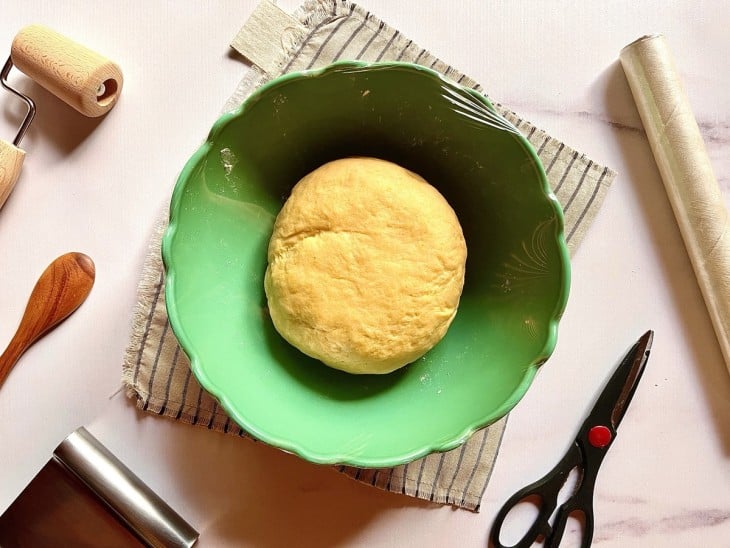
(685, 168)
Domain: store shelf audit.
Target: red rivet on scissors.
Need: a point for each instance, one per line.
(599, 436)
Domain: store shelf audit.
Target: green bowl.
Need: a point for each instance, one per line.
(221, 218)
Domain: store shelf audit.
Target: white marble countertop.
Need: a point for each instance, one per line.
(97, 187)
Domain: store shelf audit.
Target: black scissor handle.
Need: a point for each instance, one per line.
(546, 491)
(570, 508)
(539, 528)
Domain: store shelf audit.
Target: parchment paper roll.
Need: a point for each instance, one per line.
(686, 170)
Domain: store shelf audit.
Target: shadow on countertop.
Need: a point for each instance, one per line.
(269, 498)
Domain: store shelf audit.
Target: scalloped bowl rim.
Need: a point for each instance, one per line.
(298, 448)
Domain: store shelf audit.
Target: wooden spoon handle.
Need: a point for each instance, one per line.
(60, 290)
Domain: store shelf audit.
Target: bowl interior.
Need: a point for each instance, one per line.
(222, 214)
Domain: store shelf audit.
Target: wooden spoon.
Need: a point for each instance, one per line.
(60, 290)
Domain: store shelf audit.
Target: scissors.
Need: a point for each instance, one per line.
(585, 455)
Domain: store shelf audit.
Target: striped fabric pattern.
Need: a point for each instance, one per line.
(157, 373)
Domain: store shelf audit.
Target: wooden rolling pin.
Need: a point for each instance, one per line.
(685, 167)
(81, 78)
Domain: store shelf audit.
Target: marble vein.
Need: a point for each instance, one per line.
(686, 520)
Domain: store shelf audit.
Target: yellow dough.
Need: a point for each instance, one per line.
(366, 266)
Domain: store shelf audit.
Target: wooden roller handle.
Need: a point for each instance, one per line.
(11, 160)
(82, 78)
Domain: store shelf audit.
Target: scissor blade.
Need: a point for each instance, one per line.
(627, 376)
(617, 393)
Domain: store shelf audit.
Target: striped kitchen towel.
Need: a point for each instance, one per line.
(156, 372)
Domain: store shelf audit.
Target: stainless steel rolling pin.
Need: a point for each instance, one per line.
(686, 171)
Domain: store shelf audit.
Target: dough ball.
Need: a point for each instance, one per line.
(366, 266)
